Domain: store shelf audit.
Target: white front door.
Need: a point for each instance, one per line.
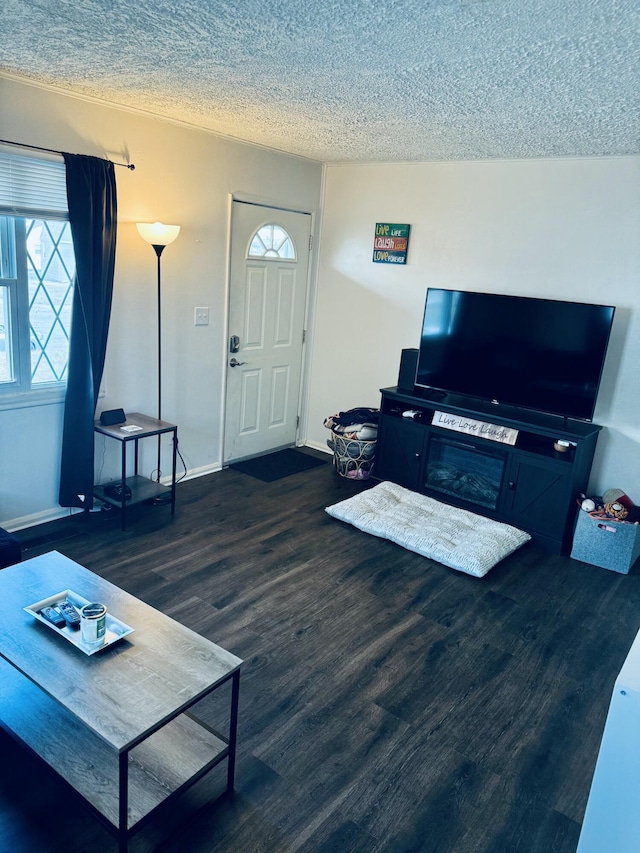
(268, 287)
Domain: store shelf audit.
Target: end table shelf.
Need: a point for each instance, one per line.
(142, 488)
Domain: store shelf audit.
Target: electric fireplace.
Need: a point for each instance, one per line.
(465, 471)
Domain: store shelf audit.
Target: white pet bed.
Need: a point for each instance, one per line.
(460, 539)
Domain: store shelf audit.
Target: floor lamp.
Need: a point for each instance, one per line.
(159, 236)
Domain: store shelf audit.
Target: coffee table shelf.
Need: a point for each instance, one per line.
(160, 766)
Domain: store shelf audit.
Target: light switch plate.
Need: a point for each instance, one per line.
(200, 316)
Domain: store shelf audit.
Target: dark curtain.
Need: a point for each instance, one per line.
(91, 193)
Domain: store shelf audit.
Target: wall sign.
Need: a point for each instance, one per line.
(481, 429)
(390, 243)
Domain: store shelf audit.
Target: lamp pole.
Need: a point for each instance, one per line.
(158, 248)
(159, 236)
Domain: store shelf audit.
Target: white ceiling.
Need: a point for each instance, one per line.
(352, 80)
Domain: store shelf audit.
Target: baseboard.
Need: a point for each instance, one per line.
(60, 512)
(35, 518)
(54, 513)
(198, 472)
(317, 446)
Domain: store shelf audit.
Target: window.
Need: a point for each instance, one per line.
(37, 269)
(272, 241)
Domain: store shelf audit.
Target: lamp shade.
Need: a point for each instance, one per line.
(158, 234)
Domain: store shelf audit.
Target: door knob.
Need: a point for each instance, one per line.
(235, 363)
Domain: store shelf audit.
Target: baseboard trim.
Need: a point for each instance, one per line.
(41, 517)
(54, 513)
(317, 446)
(200, 472)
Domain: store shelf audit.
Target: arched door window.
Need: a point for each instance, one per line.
(272, 241)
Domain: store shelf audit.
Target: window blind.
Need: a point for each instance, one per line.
(30, 185)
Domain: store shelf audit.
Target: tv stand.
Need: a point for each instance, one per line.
(432, 394)
(529, 484)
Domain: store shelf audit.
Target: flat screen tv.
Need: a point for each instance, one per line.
(540, 354)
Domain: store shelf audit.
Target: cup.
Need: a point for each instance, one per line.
(93, 623)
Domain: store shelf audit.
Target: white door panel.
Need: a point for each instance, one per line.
(280, 382)
(250, 401)
(256, 296)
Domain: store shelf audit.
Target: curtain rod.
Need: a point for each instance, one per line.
(54, 151)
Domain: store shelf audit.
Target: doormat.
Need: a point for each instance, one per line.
(275, 466)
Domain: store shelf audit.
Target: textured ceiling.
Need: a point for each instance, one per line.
(355, 80)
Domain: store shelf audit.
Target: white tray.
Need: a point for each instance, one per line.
(115, 629)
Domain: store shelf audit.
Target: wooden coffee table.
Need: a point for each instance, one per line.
(117, 725)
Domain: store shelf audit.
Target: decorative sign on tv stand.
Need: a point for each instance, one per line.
(470, 426)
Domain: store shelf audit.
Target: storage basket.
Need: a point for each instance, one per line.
(352, 457)
(606, 542)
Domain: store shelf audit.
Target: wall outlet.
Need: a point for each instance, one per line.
(200, 316)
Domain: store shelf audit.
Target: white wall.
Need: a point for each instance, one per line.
(566, 229)
(182, 176)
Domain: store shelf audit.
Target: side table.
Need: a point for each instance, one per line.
(136, 427)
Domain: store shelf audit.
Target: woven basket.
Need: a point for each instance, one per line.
(352, 458)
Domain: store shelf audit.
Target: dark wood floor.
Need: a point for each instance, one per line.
(387, 703)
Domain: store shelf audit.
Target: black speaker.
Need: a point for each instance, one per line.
(408, 369)
(112, 416)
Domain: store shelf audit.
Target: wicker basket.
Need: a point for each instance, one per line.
(352, 458)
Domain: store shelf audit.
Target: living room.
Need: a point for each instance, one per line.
(248, 565)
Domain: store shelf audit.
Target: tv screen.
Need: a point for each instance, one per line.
(539, 354)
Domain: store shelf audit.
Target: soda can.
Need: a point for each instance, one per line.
(93, 623)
